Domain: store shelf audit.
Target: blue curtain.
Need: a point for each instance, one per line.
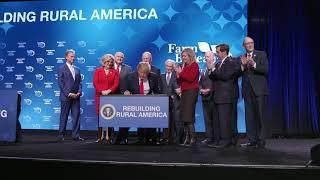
(286, 31)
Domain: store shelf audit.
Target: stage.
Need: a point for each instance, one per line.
(41, 149)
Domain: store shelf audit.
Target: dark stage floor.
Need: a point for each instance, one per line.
(42, 145)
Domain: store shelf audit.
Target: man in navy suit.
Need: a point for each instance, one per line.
(223, 75)
(143, 82)
(69, 80)
(254, 66)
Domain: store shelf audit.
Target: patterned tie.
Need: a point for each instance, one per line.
(73, 72)
(141, 87)
(168, 78)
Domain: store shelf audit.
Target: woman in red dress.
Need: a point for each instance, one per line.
(105, 82)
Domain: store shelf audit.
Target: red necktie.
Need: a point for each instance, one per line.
(141, 87)
(118, 69)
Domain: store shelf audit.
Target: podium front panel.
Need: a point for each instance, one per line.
(8, 115)
(134, 111)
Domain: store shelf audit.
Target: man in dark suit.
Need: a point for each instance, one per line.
(124, 70)
(206, 92)
(143, 82)
(147, 57)
(223, 96)
(69, 80)
(254, 66)
(170, 87)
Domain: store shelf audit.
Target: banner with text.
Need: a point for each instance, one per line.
(34, 36)
(134, 111)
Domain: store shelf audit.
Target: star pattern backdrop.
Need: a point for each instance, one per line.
(31, 52)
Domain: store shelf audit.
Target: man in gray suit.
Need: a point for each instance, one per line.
(171, 88)
(206, 92)
(69, 80)
(124, 70)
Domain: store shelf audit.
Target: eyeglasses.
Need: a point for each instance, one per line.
(248, 43)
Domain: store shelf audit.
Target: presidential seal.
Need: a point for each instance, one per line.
(108, 111)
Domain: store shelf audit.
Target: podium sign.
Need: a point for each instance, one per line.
(8, 115)
(134, 111)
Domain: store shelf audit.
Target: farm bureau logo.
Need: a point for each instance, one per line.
(108, 111)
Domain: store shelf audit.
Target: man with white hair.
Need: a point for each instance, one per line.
(171, 88)
(206, 92)
(147, 57)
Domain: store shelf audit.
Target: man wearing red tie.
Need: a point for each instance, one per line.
(143, 82)
(254, 66)
(124, 70)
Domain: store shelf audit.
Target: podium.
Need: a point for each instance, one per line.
(134, 111)
(8, 115)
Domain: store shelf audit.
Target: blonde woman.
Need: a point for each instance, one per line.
(188, 76)
(105, 81)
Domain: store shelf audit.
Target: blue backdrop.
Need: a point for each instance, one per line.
(35, 35)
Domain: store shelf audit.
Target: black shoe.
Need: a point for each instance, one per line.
(206, 141)
(234, 141)
(249, 145)
(98, 141)
(60, 139)
(140, 142)
(117, 141)
(261, 144)
(220, 146)
(125, 141)
(78, 139)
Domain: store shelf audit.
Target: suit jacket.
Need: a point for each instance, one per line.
(206, 83)
(223, 80)
(133, 83)
(155, 70)
(124, 72)
(256, 78)
(102, 82)
(237, 66)
(169, 89)
(66, 82)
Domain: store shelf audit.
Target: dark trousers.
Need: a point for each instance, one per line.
(222, 123)
(66, 107)
(208, 113)
(147, 134)
(234, 120)
(177, 132)
(123, 133)
(255, 118)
